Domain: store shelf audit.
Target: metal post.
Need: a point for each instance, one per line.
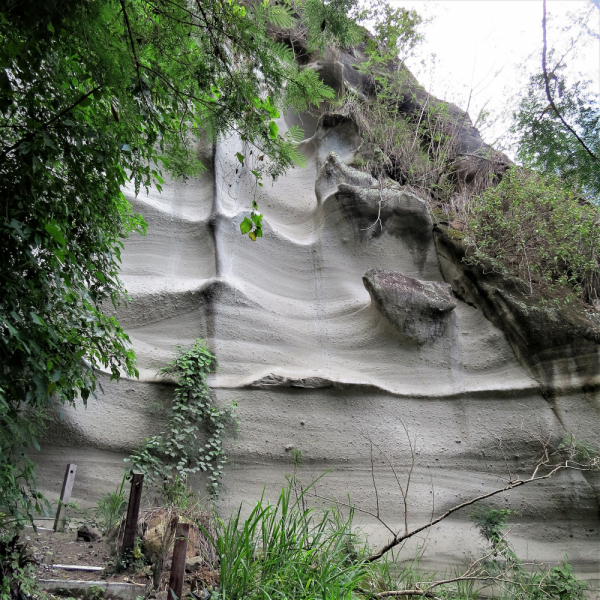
(65, 496)
(178, 564)
(133, 509)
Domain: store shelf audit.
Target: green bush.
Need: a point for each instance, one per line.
(536, 228)
(17, 572)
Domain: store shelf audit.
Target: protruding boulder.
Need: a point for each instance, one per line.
(419, 310)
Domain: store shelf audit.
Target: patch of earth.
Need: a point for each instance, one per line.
(62, 548)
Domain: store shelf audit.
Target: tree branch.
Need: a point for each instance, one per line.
(31, 135)
(548, 93)
(398, 539)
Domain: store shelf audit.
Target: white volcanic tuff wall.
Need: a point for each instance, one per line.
(312, 364)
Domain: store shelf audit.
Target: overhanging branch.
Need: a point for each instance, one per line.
(549, 94)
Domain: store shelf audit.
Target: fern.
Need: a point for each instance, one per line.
(280, 16)
(295, 134)
(298, 157)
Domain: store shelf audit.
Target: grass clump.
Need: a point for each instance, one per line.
(111, 507)
(285, 550)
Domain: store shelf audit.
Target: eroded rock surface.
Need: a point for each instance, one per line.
(313, 367)
(419, 310)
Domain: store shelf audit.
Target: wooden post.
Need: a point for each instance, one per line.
(65, 496)
(178, 563)
(133, 509)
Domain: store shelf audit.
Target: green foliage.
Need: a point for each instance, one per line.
(178, 493)
(536, 227)
(132, 559)
(492, 524)
(96, 592)
(296, 457)
(111, 507)
(252, 225)
(17, 573)
(558, 583)
(325, 24)
(397, 31)
(178, 452)
(545, 144)
(579, 451)
(513, 579)
(415, 148)
(284, 550)
(19, 499)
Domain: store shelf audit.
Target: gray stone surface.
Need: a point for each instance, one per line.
(313, 364)
(89, 589)
(420, 310)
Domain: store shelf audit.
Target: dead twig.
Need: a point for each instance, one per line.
(398, 539)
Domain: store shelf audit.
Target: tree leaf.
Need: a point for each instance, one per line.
(246, 225)
(56, 233)
(273, 129)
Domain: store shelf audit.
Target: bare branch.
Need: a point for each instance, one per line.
(398, 539)
(353, 507)
(548, 93)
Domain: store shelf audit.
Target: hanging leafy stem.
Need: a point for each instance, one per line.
(255, 162)
(179, 451)
(253, 225)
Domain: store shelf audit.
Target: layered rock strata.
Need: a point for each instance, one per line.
(317, 363)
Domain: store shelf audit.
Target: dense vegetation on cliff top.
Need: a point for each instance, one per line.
(540, 221)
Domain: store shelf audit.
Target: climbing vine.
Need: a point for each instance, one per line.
(178, 451)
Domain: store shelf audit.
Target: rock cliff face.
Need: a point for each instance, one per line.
(338, 330)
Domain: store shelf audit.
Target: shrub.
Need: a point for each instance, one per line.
(177, 452)
(536, 228)
(17, 574)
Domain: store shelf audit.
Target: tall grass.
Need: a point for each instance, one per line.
(284, 550)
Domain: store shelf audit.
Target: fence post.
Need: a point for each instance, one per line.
(65, 496)
(133, 509)
(178, 562)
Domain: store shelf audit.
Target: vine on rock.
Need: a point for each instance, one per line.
(178, 451)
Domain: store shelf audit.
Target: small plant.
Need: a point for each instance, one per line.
(132, 559)
(178, 452)
(17, 574)
(177, 492)
(297, 458)
(96, 592)
(491, 525)
(559, 583)
(579, 451)
(111, 507)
